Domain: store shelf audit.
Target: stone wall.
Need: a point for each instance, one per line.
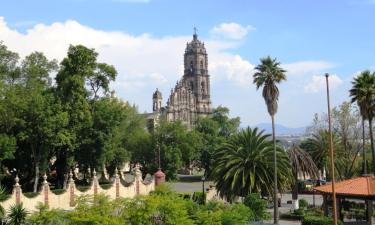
(66, 200)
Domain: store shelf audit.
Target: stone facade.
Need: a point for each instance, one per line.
(190, 98)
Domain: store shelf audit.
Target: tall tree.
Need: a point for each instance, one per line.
(40, 115)
(268, 74)
(7, 149)
(70, 89)
(244, 163)
(346, 124)
(363, 93)
(101, 77)
(214, 130)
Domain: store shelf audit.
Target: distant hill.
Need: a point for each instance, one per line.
(281, 129)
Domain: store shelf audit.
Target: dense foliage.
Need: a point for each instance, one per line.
(161, 207)
(244, 165)
(347, 143)
(72, 121)
(75, 121)
(321, 220)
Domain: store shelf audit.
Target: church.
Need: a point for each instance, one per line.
(190, 98)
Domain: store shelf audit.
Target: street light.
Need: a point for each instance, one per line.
(203, 179)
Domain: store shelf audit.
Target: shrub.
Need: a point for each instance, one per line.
(258, 206)
(238, 214)
(106, 186)
(291, 216)
(303, 203)
(321, 220)
(58, 191)
(198, 197)
(31, 194)
(17, 214)
(163, 190)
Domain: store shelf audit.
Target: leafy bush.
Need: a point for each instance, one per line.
(291, 216)
(163, 206)
(321, 220)
(58, 191)
(17, 214)
(303, 203)
(258, 206)
(4, 195)
(83, 188)
(238, 214)
(198, 197)
(106, 186)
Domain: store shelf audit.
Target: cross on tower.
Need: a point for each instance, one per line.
(195, 31)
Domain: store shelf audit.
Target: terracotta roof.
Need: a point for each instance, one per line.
(359, 186)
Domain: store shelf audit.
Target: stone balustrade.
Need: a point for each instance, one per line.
(66, 200)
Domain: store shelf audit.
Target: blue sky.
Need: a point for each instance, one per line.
(145, 40)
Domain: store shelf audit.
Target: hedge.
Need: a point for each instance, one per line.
(321, 220)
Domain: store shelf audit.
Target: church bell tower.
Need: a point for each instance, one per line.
(196, 75)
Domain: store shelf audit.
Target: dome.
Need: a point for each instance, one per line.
(157, 94)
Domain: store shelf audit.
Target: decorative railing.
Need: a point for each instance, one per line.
(66, 200)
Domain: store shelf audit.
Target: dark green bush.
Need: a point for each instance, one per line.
(185, 195)
(58, 191)
(83, 188)
(31, 194)
(106, 186)
(258, 206)
(303, 203)
(291, 216)
(198, 197)
(321, 220)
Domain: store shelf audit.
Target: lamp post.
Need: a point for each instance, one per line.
(334, 213)
(203, 194)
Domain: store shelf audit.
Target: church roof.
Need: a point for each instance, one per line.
(363, 186)
(157, 94)
(195, 45)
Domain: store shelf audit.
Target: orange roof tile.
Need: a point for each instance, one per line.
(359, 186)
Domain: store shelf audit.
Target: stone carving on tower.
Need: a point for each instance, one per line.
(190, 98)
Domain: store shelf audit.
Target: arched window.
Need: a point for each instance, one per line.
(203, 87)
(191, 85)
(201, 64)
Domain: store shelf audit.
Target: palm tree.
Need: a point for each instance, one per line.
(17, 214)
(302, 164)
(318, 147)
(244, 163)
(363, 93)
(268, 74)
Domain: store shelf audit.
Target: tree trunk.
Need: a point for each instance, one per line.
(363, 147)
(372, 145)
(36, 179)
(295, 193)
(275, 190)
(36, 157)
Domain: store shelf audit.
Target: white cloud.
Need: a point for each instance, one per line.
(318, 83)
(233, 68)
(233, 31)
(143, 62)
(307, 67)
